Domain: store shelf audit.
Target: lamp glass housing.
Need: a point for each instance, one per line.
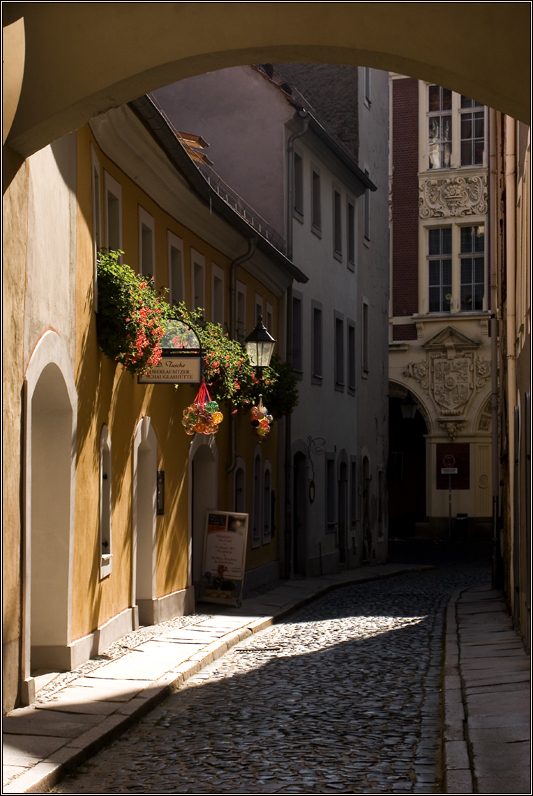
(408, 407)
(260, 345)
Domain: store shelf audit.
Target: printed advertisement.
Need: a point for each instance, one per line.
(224, 556)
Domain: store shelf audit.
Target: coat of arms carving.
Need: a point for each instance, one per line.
(453, 197)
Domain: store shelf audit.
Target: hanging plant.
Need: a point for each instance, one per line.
(202, 416)
(131, 315)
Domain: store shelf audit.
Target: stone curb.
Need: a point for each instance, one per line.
(50, 771)
(456, 763)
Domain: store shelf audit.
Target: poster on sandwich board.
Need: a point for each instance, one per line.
(224, 562)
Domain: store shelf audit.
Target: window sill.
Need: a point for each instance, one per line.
(365, 374)
(316, 231)
(350, 265)
(366, 242)
(351, 390)
(298, 216)
(316, 380)
(338, 256)
(339, 386)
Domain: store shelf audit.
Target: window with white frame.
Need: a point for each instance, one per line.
(350, 233)
(105, 503)
(97, 220)
(258, 307)
(240, 317)
(316, 342)
(297, 332)
(472, 267)
(456, 268)
(472, 132)
(146, 243)
(366, 212)
(337, 225)
(298, 185)
(316, 208)
(439, 127)
(239, 483)
(330, 493)
(269, 320)
(365, 338)
(267, 503)
(217, 294)
(175, 269)
(456, 130)
(113, 213)
(197, 280)
(440, 269)
(339, 351)
(257, 500)
(351, 356)
(353, 492)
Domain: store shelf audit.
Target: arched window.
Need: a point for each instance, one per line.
(105, 503)
(267, 504)
(257, 500)
(239, 498)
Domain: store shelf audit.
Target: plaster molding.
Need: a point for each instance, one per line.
(452, 427)
(453, 197)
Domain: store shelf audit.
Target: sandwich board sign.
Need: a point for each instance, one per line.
(224, 561)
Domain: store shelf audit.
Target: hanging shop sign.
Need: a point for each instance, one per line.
(181, 362)
(224, 557)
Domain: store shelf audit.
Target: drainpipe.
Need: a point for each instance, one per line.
(510, 313)
(252, 242)
(494, 331)
(304, 117)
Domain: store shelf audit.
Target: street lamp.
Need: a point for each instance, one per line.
(259, 346)
(408, 407)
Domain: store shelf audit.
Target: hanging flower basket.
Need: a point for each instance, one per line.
(202, 416)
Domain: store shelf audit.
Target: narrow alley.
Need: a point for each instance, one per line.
(343, 696)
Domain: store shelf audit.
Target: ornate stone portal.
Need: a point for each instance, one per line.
(451, 373)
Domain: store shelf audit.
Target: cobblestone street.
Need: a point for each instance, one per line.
(343, 697)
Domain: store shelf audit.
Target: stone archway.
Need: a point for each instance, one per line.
(49, 479)
(65, 44)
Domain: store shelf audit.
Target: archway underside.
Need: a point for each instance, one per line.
(147, 45)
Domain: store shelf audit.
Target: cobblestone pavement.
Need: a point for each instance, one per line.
(343, 697)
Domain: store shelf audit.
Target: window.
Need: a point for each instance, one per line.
(217, 294)
(330, 493)
(240, 317)
(440, 269)
(297, 357)
(366, 212)
(175, 269)
(350, 234)
(316, 342)
(381, 532)
(198, 279)
(339, 351)
(298, 185)
(472, 257)
(113, 213)
(105, 503)
(351, 356)
(146, 243)
(315, 202)
(367, 87)
(353, 492)
(337, 226)
(267, 504)
(472, 115)
(256, 510)
(439, 127)
(97, 220)
(239, 500)
(365, 339)
(269, 322)
(258, 307)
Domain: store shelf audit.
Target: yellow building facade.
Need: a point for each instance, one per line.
(102, 549)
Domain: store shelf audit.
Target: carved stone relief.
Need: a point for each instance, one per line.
(450, 197)
(452, 427)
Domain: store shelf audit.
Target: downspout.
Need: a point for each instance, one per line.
(494, 331)
(510, 314)
(304, 116)
(252, 242)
